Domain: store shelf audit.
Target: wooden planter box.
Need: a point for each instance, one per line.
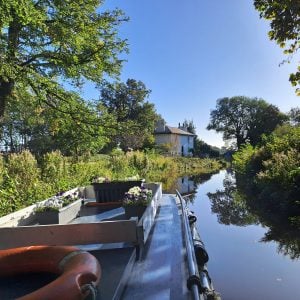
(62, 216)
(113, 191)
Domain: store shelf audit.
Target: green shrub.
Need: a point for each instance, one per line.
(23, 181)
(242, 158)
(54, 171)
(23, 170)
(10, 199)
(2, 168)
(21, 184)
(270, 174)
(282, 169)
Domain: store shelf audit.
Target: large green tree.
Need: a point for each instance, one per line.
(20, 119)
(41, 129)
(72, 136)
(244, 119)
(135, 116)
(44, 43)
(285, 27)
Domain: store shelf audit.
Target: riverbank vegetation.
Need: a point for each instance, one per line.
(271, 172)
(267, 146)
(268, 182)
(25, 180)
(266, 161)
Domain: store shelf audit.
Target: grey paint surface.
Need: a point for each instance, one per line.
(161, 274)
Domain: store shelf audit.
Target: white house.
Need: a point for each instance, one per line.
(178, 141)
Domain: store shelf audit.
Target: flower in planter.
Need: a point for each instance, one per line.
(137, 196)
(99, 179)
(57, 202)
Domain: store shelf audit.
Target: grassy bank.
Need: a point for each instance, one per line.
(25, 180)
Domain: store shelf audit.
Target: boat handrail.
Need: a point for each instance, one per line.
(194, 278)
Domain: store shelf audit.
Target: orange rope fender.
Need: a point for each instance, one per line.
(79, 271)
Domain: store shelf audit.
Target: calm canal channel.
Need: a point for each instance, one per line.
(241, 266)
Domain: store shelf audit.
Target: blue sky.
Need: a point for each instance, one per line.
(191, 53)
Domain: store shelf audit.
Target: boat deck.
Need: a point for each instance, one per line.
(161, 271)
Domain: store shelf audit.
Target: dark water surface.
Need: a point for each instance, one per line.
(241, 266)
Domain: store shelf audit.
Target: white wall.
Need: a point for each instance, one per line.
(187, 142)
(177, 142)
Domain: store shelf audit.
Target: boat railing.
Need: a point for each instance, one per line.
(194, 277)
(199, 281)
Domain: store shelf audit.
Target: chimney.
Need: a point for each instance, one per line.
(183, 127)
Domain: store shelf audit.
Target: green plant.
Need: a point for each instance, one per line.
(242, 158)
(270, 174)
(2, 168)
(53, 170)
(23, 181)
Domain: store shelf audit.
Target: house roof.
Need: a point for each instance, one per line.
(174, 130)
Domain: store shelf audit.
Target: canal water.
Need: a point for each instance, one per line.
(241, 266)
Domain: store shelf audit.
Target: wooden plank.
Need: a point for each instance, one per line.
(70, 234)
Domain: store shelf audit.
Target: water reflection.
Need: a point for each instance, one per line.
(230, 205)
(233, 206)
(186, 185)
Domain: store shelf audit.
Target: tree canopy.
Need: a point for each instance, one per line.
(294, 115)
(135, 117)
(41, 129)
(189, 125)
(46, 45)
(203, 149)
(244, 119)
(285, 27)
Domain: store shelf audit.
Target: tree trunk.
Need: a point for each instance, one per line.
(10, 132)
(7, 84)
(5, 91)
(239, 141)
(6, 88)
